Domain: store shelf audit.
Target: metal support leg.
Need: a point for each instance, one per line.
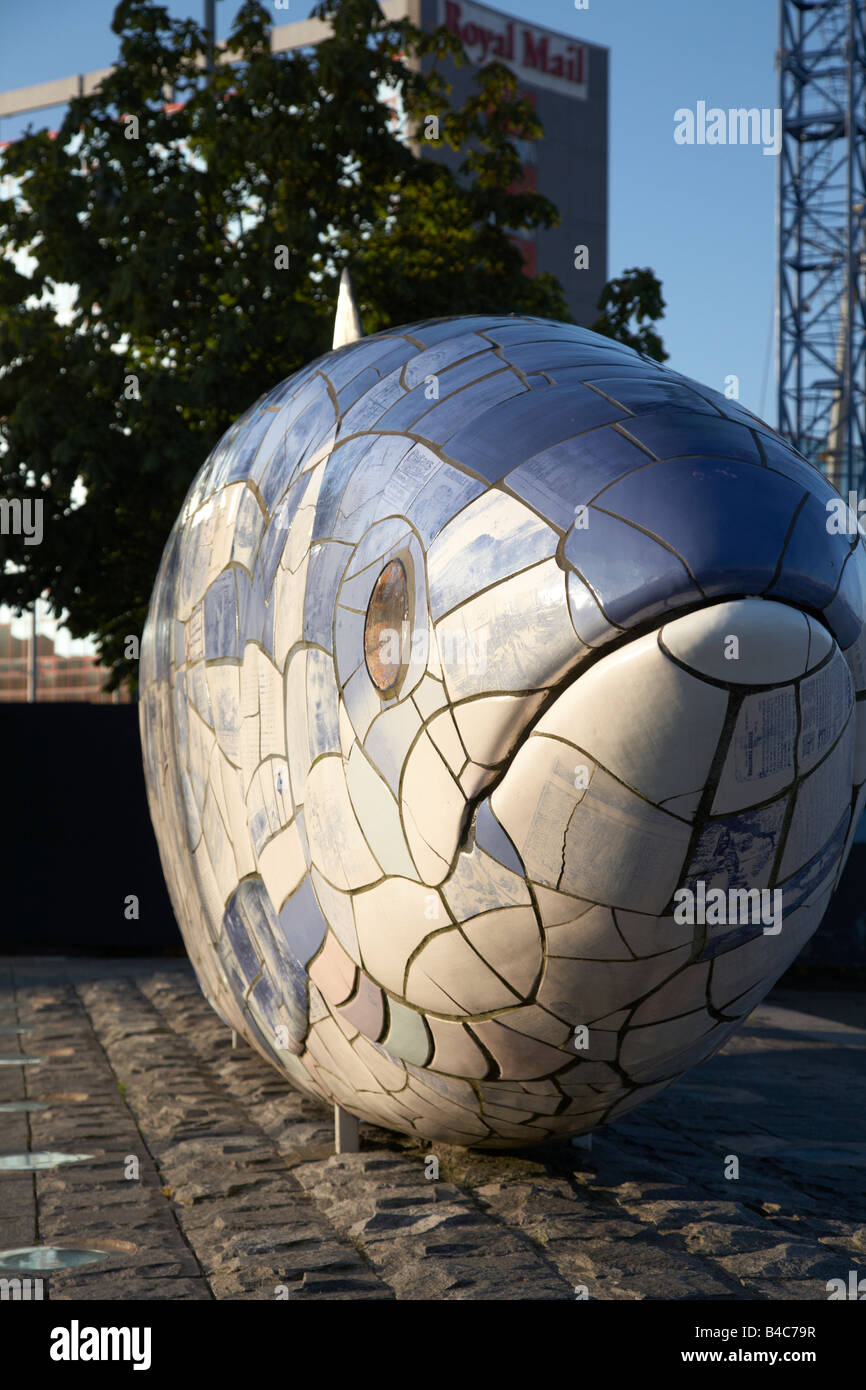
(345, 1132)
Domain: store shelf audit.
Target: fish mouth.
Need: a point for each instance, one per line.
(606, 789)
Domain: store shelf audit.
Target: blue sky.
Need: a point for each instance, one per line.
(703, 217)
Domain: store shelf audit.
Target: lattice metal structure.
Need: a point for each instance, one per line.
(821, 285)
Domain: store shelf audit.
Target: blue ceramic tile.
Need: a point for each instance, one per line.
(645, 393)
(221, 618)
(324, 573)
(844, 614)
(590, 624)
(442, 498)
(302, 924)
(674, 433)
(323, 709)
(570, 474)
(726, 519)
(443, 419)
(813, 559)
(633, 576)
(514, 431)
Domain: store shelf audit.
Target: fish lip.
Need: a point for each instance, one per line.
(580, 666)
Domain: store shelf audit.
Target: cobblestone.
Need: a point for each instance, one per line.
(207, 1177)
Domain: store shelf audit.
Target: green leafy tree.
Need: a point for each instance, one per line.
(634, 298)
(204, 236)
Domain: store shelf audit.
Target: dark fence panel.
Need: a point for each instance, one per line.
(78, 840)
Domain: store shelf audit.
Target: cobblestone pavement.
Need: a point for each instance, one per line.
(237, 1192)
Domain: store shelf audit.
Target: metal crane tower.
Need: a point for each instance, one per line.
(821, 212)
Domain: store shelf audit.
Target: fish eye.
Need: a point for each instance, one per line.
(387, 627)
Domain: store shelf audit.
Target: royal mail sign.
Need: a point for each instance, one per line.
(536, 55)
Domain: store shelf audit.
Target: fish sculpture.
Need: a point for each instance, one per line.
(502, 703)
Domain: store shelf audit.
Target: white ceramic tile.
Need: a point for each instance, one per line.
(580, 991)
(447, 976)
(821, 799)
(443, 732)
(644, 719)
(684, 806)
(558, 907)
(650, 936)
(389, 738)
(392, 920)
(683, 994)
(429, 696)
(491, 725)
(455, 1050)
(855, 655)
(655, 1050)
(826, 700)
(337, 845)
(591, 936)
(820, 642)
(773, 641)
(509, 940)
(480, 883)
(223, 683)
(282, 864)
(515, 637)
(378, 816)
(436, 804)
(536, 799)
(759, 763)
(620, 851)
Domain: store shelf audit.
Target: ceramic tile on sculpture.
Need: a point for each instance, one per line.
(591, 936)
(826, 700)
(455, 1051)
(282, 864)
(517, 1055)
(772, 642)
(333, 972)
(389, 739)
(337, 844)
(324, 572)
(323, 704)
(447, 976)
(480, 883)
(391, 920)
(582, 991)
(667, 724)
(378, 815)
(489, 540)
(489, 726)
(509, 940)
(362, 702)
(407, 1036)
(499, 439)
(443, 733)
(366, 1009)
(720, 515)
(821, 799)
(223, 683)
(536, 800)
(436, 802)
(440, 499)
(513, 637)
(760, 760)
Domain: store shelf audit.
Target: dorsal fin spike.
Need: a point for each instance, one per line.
(347, 320)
